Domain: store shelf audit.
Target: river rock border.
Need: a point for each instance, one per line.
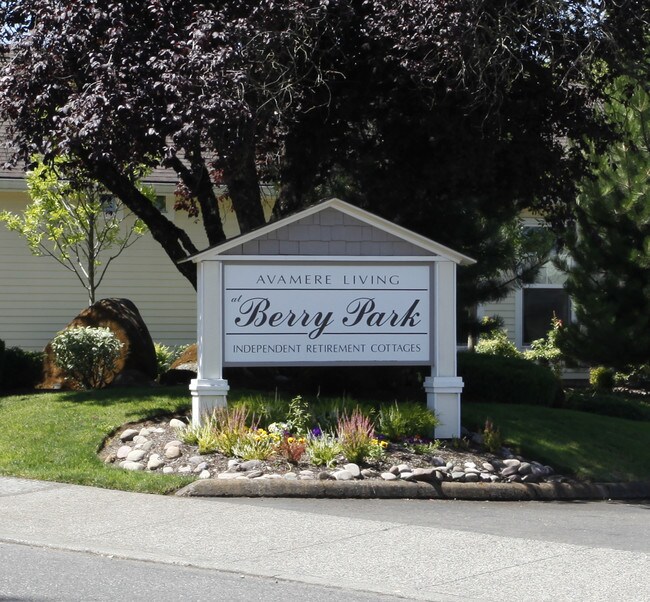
(156, 447)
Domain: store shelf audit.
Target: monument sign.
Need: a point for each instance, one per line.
(331, 285)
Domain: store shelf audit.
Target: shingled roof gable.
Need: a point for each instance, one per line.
(317, 231)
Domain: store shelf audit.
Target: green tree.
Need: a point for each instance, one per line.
(448, 115)
(609, 276)
(76, 222)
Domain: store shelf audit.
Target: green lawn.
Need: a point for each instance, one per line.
(56, 436)
(600, 448)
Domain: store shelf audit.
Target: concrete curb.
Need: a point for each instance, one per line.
(506, 492)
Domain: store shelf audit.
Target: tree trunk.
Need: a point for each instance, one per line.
(242, 180)
(197, 181)
(175, 241)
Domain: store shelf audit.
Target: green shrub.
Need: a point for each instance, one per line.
(22, 369)
(225, 428)
(492, 439)
(601, 378)
(265, 410)
(545, 351)
(298, 416)
(87, 355)
(635, 377)
(496, 342)
(323, 449)
(2, 359)
(166, 356)
(495, 379)
(607, 404)
(407, 419)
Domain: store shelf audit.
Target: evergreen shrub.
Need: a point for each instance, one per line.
(601, 378)
(2, 358)
(20, 369)
(496, 379)
(607, 404)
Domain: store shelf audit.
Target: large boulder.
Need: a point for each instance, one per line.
(136, 364)
(184, 369)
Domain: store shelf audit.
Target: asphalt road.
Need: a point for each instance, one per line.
(117, 545)
(31, 574)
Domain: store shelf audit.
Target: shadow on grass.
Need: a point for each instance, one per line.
(106, 397)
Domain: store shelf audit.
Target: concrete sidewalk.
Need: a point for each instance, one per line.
(334, 549)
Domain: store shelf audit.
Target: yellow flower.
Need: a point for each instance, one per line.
(301, 440)
(261, 431)
(375, 442)
(290, 440)
(384, 444)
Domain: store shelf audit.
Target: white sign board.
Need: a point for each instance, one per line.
(301, 313)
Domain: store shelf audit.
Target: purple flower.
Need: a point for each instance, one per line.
(316, 432)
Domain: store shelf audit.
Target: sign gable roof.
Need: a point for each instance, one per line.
(374, 221)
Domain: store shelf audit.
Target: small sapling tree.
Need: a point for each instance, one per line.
(73, 220)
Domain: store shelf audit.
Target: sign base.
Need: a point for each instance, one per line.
(207, 394)
(443, 398)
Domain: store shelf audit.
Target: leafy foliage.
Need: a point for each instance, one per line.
(546, 351)
(166, 356)
(469, 102)
(87, 355)
(492, 439)
(2, 359)
(496, 342)
(323, 449)
(298, 417)
(491, 378)
(610, 249)
(68, 221)
(400, 421)
(22, 369)
(607, 403)
(601, 378)
(355, 432)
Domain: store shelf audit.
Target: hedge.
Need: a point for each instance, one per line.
(497, 379)
(22, 369)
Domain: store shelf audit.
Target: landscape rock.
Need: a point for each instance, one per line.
(353, 469)
(156, 446)
(136, 455)
(128, 434)
(136, 364)
(155, 462)
(172, 452)
(123, 452)
(175, 423)
(510, 470)
(342, 475)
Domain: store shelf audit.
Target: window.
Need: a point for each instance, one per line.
(539, 305)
